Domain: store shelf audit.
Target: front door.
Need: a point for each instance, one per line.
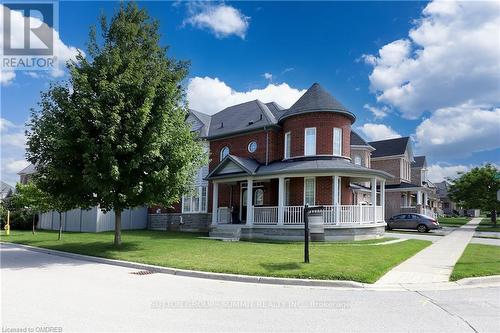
(243, 205)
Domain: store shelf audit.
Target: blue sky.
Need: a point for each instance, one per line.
(378, 56)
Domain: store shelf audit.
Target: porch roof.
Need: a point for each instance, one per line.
(234, 166)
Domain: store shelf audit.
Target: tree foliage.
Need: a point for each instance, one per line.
(115, 135)
(477, 189)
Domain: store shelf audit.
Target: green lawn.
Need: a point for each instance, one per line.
(358, 261)
(486, 225)
(477, 260)
(453, 221)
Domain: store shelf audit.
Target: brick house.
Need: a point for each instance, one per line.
(267, 162)
(409, 191)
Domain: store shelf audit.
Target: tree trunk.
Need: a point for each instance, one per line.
(494, 216)
(33, 225)
(118, 227)
(60, 226)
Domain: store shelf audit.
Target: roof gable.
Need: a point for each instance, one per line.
(391, 147)
(232, 165)
(241, 118)
(420, 162)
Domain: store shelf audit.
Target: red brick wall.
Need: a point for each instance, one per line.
(346, 197)
(238, 145)
(324, 190)
(324, 123)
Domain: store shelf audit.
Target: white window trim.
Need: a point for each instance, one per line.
(287, 192)
(305, 141)
(314, 191)
(287, 148)
(220, 152)
(333, 141)
(200, 198)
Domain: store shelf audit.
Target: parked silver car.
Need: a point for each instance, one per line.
(419, 222)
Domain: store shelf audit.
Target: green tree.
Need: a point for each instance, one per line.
(30, 199)
(115, 135)
(478, 189)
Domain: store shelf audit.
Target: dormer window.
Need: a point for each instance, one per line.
(310, 141)
(357, 160)
(224, 152)
(337, 141)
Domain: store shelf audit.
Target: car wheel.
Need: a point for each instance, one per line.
(422, 228)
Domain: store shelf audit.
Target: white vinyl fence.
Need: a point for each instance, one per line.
(93, 220)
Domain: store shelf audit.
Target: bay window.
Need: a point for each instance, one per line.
(195, 201)
(337, 141)
(310, 141)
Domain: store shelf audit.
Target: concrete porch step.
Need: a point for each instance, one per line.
(229, 231)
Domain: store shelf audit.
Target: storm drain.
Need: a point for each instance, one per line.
(142, 272)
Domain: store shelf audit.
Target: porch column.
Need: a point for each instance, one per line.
(215, 203)
(281, 200)
(382, 197)
(374, 197)
(425, 199)
(419, 198)
(336, 198)
(249, 201)
(407, 200)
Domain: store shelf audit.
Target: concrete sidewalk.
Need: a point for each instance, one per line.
(434, 263)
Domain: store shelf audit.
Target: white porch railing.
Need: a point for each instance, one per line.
(265, 215)
(428, 212)
(332, 215)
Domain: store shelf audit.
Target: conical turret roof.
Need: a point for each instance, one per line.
(317, 99)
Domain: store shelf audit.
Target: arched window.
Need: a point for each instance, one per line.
(224, 152)
(258, 197)
(357, 159)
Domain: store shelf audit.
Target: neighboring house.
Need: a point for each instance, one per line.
(266, 163)
(448, 206)
(6, 190)
(409, 191)
(86, 220)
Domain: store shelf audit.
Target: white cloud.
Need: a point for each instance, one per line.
(211, 95)
(12, 147)
(451, 57)
(62, 51)
(221, 19)
(378, 112)
(375, 132)
(459, 131)
(268, 76)
(437, 173)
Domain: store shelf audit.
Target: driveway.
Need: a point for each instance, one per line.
(40, 290)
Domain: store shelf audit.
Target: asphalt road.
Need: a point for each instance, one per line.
(41, 290)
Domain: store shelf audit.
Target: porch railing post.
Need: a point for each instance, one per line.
(215, 203)
(249, 201)
(281, 200)
(382, 198)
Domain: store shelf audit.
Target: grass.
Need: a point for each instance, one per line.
(477, 260)
(453, 221)
(487, 225)
(357, 261)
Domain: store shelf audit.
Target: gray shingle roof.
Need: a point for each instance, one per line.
(309, 166)
(6, 189)
(276, 109)
(357, 140)
(204, 119)
(315, 99)
(241, 118)
(30, 169)
(419, 162)
(389, 147)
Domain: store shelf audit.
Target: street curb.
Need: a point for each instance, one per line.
(198, 274)
(486, 281)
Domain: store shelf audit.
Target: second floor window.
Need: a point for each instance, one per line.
(224, 152)
(288, 141)
(310, 141)
(337, 141)
(357, 159)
